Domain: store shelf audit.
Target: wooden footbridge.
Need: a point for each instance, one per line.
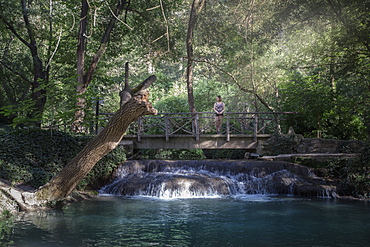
(240, 130)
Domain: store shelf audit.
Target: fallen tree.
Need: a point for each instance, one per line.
(134, 104)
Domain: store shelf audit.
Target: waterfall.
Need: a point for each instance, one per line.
(211, 178)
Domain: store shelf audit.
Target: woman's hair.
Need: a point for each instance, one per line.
(219, 96)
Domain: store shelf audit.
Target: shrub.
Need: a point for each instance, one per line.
(6, 228)
(176, 154)
(352, 173)
(33, 157)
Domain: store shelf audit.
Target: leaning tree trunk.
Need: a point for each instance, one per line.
(132, 107)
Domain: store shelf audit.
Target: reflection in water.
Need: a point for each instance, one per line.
(243, 220)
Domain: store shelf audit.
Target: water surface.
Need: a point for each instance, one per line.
(248, 220)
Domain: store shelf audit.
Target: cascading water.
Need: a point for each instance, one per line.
(211, 178)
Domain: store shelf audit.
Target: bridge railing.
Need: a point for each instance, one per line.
(203, 123)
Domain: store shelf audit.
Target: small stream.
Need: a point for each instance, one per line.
(203, 203)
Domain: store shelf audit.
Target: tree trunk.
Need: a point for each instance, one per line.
(195, 10)
(68, 178)
(81, 86)
(40, 75)
(84, 79)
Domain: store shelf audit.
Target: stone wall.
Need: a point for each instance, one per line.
(316, 145)
(292, 143)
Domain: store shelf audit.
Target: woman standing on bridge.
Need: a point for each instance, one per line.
(219, 108)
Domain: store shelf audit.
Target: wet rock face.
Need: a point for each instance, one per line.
(203, 178)
(7, 204)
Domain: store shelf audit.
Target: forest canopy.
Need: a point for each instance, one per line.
(58, 58)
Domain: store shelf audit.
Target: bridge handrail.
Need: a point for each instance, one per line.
(190, 113)
(197, 124)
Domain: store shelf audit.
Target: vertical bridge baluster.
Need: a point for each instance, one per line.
(227, 127)
(167, 127)
(197, 127)
(139, 128)
(255, 127)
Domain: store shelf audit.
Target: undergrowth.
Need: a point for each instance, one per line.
(193, 154)
(352, 173)
(176, 154)
(6, 228)
(33, 157)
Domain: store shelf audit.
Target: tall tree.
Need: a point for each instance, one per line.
(85, 78)
(229, 46)
(196, 8)
(325, 39)
(28, 32)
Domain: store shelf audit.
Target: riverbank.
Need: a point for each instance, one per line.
(10, 193)
(289, 178)
(30, 158)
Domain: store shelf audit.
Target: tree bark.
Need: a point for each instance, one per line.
(195, 10)
(84, 79)
(67, 179)
(81, 86)
(38, 91)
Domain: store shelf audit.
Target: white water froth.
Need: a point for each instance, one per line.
(174, 182)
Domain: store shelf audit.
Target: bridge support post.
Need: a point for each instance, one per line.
(227, 128)
(167, 127)
(255, 127)
(139, 127)
(196, 123)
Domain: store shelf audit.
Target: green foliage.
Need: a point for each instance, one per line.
(6, 228)
(167, 78)
(242, 49)
(172, 104)
(324, 110)
(224, 153)
(33, 157)
(311, 98)
(352, 173)
(206, 91)
(20, 113)
(61, 103)
(174, 154)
